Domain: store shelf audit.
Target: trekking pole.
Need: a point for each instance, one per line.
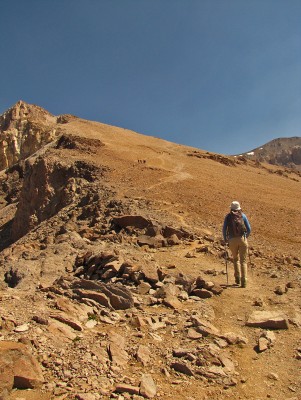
(226, 260)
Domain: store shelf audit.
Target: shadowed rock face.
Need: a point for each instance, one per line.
(44, 193)
(49, 185)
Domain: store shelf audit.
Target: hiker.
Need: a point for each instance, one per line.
(236, 230)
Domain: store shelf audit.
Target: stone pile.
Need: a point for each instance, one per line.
(111, 268)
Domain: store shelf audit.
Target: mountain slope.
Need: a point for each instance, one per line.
(105, 224)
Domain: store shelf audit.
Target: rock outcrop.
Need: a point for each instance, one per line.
(24, 129)
(49, 185)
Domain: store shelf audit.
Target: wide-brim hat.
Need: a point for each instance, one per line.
(235, 206)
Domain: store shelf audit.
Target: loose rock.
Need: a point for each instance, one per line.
(268, 320)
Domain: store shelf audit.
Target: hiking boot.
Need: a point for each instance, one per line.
(243, 283)
(237, 280)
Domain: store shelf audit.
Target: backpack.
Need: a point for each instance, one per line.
(235, 223)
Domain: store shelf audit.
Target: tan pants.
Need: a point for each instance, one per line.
(239, 249)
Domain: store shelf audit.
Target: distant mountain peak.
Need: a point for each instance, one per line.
(281, 151)
(22, 111)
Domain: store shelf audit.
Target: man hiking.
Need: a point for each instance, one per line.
(236, 229)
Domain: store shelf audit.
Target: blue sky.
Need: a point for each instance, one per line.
(219, 75)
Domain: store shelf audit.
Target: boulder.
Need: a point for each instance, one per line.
(204, 327)
(125, 388)
(202, 293)
(217, 289)
(169, 289)
(65, 319)
(143, 354)
(169, 293)
(227, 364)
(182, 368)
(116, 350)
(169, 231)
(185, 281)
(144, 288)
(86, 396)
(268, 320)
(136, 221)
(233, 338)
(148, 387)
(280, 290)
(172, 302)
(152, 242)
(193, 334)
(110, 295)
(173, 240)
(18, 368)
(202, 283)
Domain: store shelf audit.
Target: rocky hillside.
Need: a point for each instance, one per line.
(283, 151)
(115, 283)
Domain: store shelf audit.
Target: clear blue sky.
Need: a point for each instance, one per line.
(219, 75)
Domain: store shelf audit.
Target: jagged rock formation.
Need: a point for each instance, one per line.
(282, 151)
(24, 129)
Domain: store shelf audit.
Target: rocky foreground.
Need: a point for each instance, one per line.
(109, 329)
(117, 325)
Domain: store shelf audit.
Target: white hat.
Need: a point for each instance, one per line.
(235, 206)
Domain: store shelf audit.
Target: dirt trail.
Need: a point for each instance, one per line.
(175, 167)
(270, 374)
(264, 375)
